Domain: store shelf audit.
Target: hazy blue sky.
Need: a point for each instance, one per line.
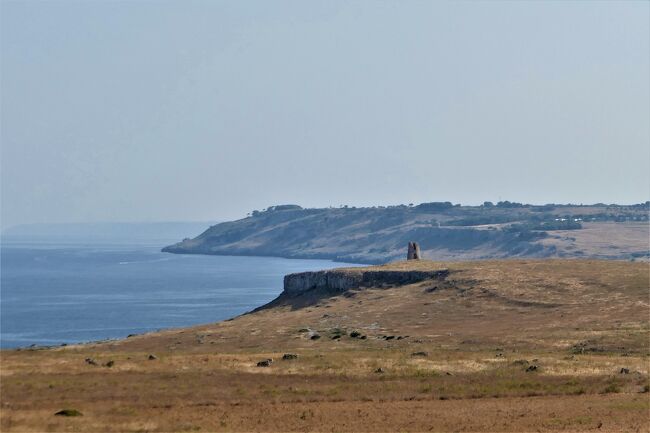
(152, 110)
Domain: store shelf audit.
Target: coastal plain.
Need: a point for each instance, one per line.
(502, 345)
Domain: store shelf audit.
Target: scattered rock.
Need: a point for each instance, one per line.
(448, 373)
(90, 361)
(131, 335)
(390, 337)
(624, 371)
(355, 334)
(288, 356)
(265, 363)
(531, 368)
(420, 354)
(152, 357)
(336, 337)
(315, 337)
(363, 337)
(109, 364)
(69, 412)
(379, 370)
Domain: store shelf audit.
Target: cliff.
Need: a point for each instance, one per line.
(310, 288)
(336, 281)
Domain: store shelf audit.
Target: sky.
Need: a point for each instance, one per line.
(206, 110)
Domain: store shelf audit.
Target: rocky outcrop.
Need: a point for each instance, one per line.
(337, 281)
(328, 280)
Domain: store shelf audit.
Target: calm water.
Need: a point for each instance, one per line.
(53, 294)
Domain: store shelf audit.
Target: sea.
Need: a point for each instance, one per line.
(62, 290)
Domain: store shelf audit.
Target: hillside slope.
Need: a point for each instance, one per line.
(444, 231)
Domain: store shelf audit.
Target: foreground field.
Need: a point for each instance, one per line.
(496, 346)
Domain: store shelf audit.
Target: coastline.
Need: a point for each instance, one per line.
(328, 257)
(84, 294)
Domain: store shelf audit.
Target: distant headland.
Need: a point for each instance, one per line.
(445, 231)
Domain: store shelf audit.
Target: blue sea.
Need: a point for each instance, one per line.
(54, 293)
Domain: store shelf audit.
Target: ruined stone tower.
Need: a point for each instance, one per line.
(414, 251)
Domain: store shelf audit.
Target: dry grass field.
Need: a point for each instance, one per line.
(602, 240)
(518, 346)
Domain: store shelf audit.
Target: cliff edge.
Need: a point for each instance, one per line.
(308, 288)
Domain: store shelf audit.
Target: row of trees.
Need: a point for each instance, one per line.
(441, 206)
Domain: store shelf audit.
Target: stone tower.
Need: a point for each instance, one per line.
(414, 251)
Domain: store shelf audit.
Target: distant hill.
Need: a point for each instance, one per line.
(445, 232)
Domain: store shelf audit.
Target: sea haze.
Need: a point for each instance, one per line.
(57, 292)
